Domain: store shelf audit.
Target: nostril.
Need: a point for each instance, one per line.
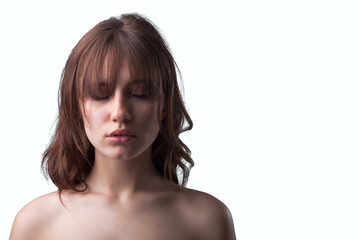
(120, 115)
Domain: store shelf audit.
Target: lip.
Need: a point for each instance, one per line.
(121, 136)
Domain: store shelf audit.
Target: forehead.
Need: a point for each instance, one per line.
(109, 66)
(120, 73)
(109, 70)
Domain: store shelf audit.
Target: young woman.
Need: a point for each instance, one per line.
(116, 156)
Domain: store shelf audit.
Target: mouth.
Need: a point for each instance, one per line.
(121, 136)
(121, 132)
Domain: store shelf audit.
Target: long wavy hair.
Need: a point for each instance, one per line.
(69, 158)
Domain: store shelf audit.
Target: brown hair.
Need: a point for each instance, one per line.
(69, 158)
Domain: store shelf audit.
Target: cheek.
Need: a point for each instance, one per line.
(149, 117)
(87, 120)
(92, 118)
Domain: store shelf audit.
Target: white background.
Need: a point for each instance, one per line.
(272, 87)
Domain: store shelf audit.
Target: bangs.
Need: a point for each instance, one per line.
(102, 62)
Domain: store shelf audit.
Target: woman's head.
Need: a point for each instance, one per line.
(92, 72)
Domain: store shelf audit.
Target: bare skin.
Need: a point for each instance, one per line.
(162, 214)
(126, 197)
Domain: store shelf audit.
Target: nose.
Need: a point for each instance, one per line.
(120, 109)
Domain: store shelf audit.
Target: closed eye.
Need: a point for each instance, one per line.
(103, 98)
(139, 95)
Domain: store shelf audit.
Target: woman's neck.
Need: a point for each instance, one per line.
(116, 178)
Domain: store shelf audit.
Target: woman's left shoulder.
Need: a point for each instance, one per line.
(201, 200)
(210, 216)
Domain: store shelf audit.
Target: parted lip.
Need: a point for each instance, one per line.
(121, 132)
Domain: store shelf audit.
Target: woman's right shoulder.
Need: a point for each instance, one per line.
(35, 216)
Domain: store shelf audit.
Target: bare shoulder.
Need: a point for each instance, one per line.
(34, 217)
(210, 217)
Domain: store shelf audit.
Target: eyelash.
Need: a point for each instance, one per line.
(140, 96)
(101, 98)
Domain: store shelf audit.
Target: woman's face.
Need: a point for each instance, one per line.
(124, 125)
